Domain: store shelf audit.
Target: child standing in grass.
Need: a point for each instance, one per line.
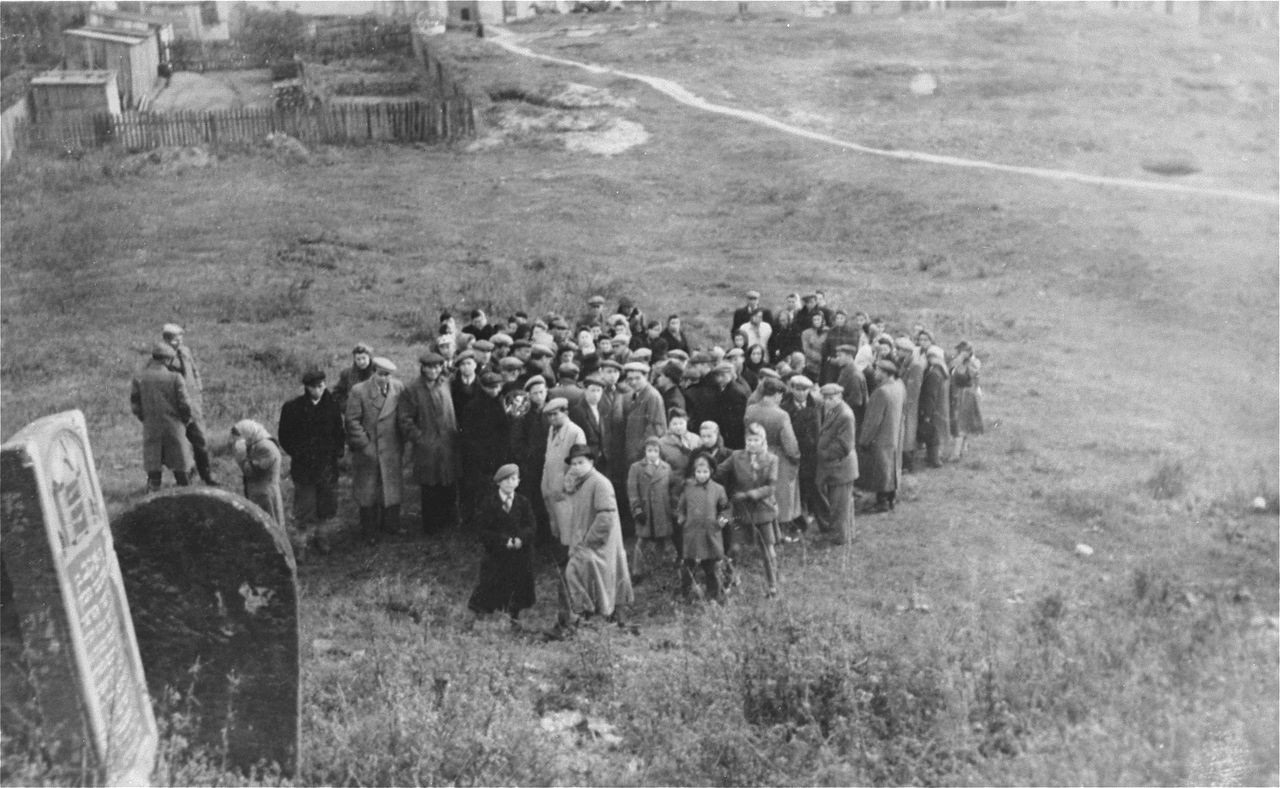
(701, 514)
(649, 491)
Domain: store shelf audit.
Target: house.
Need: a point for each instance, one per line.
(160, 26)
(194, 20)
(59, 94)
(134, 57)
(488, 11)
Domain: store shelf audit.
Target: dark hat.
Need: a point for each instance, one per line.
(559, 322)
(490, 379)
(533, 381)
(593, 380)
(555, 404)
(502, 340)
(653, 441)
(362, 347)
(510, 469)
(809, 297)
(580, 450)
(542, 350)
(771, 386)
(464, 356)
(510, 362)
(568, 370)
(163, 350)
(520, 344)
(431, 359)
(312, 376)
(483, 345)
(673, 371)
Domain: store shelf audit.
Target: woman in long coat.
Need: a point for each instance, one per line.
(749, 476)
(966, 397)
(258, 456)
(506, 526)
(935, 406)
(881, 436)
(596, 576)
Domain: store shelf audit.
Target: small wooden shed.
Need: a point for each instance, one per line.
(160, 27)
(133, 55)
(60, 94)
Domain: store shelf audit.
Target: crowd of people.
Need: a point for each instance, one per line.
(610, 442)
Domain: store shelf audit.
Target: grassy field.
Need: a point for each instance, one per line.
(1130, 368)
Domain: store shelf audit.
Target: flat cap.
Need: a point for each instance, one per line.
(554, 404)
(506, 471)
(466, 355)
(383, 364)
(312, 376)
(904, 343)
(502, 340)
(431, 359)
(809, 297)
(724, 369)
(678, 355)
(800, 382)
(490, 380)
(768, 372)
(702, 357)
(734, 353)
(533, 381)
(593, 380)
(521, 344)
(596, 300)
(568, 370)
(636, 366)
(483, 345)
(510, 362)
(611, 364)
(580, 450)
(542, 350)
(171, 330)
(642, 354)
(850, 349)
(163, 350)
(831, 389)
(771, 386)
(753, 294)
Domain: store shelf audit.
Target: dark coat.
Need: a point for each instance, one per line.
(737, 476)
(644, 418)
(674, 342)
(881, 436)
(699, 402)
(427, 420)
(529, 450)
(312, 435)
(804, 422)
(506, 575)
(594, 429)
(728, 409)
(348, 378)
(673, 398)
(462, 393)
(935, 408)
(485, 436)
(698, 511)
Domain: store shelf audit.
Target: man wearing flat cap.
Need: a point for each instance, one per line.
(729, 406)
(562, 436)
(485, 437)
(465, 382)
(804, 411)
(567, 384)
(529, 452)
(428, 421)
(594, 315)
(742, 314)
(158, 397)
(881, 437)
(311, 433)
(373, 435)
(184, 363)
(837, 462)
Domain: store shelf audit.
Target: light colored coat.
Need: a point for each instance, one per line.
(159, 399)
(912, 378)
(261, 468)
(882, 436)
(644, 418)
(426, 418)
(837, 452)
(553, 472)
(374, 437)
(781, 437)
(597, 575)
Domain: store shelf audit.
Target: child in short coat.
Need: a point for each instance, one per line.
(702, 512)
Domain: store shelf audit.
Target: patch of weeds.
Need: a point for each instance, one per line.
(251, 301)
(938, 265)
(280, 362)
(1169, 480)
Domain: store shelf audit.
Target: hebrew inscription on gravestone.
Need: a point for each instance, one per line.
(65, 601)
(213, 582)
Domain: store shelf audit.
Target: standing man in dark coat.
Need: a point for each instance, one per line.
(311, 433)
(743, 313)
(837, 461)
(643, 411)
(529, 451)
(804, 414)
(586, 413)
(159, 400)
(935, 410)
(184, 363)
(465, 384)
(427, 420)
(729, 406)
(486, 440)
(853, 382)
(881, 436)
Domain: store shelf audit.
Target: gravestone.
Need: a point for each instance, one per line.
(213, 584)
(70, 657)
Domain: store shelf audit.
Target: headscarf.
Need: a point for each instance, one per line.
(251, 431)
(754, 367)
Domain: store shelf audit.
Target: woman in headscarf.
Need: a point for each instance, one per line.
(935, 405)
(966, 397)
(749, 475)
(258, 455)
(756, 359)
(505, 522)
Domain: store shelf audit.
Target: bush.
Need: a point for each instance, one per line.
(272, 35)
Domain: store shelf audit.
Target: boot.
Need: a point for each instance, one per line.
(391, 520)
(153, 482)
(202, 467)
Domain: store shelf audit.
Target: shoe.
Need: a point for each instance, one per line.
(772, 592)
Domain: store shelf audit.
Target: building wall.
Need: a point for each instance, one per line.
(50, 102)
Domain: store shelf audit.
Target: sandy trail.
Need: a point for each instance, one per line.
(510, 42)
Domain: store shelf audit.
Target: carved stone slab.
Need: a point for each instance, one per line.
(65, 601)
(214, 590)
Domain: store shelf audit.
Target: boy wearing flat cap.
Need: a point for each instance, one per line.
(311, 434)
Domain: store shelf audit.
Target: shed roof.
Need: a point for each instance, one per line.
(159, 21)
(74, 77)
(113, 35)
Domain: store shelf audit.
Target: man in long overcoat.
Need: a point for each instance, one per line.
(852, 381)
(562, 436)
(643, 411)
(485, 439)
(837, 460)
(781, 438)
(311, 433)
(729, 406)
(804, 413)
(881, 435)
(935, 407)
(911, 364)
(158, 397)
(596, 576)
(373, 434)
(427, 420)
(184, 363)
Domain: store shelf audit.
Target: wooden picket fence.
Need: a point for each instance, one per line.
(338, 124)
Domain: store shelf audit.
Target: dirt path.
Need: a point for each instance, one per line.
(510, 42)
